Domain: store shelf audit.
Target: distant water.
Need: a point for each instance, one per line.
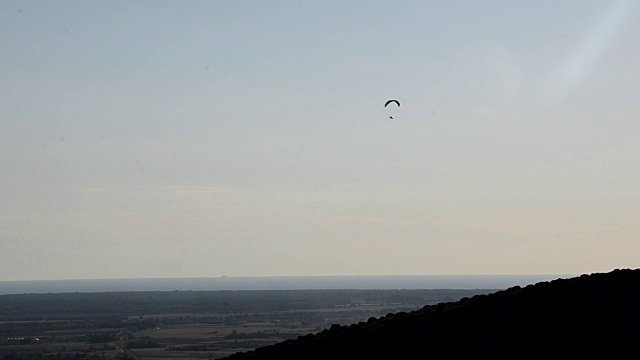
(276, 283)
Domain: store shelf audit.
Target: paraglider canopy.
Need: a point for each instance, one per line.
(389, 102)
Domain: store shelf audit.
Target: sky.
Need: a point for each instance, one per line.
(161, 139)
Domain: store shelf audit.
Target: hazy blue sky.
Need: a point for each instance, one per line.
(240, 138)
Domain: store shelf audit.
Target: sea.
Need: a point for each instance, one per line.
(276, 283)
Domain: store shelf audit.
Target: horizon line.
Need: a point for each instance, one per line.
(294, 276)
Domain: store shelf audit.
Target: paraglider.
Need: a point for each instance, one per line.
(392, 101)
(389, 102)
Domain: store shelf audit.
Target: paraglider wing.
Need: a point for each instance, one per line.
(391, 101)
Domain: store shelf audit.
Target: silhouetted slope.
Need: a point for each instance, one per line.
(591, 316)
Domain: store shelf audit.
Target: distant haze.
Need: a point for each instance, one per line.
(276, 283)
(249, 138)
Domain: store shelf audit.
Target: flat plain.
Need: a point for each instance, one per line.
(187, 324)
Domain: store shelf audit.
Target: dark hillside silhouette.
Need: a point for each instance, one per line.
(591, 316)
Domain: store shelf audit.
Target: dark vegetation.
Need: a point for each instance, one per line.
(186, 324)
(591, 316)
(110, 304)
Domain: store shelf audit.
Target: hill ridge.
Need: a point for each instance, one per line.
(587, 316)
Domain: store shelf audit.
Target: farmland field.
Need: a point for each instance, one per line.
(186, 324)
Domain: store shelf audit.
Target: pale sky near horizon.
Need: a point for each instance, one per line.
(249, 138)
